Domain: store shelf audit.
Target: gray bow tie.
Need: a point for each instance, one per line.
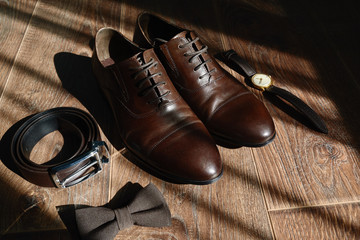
(148, 208)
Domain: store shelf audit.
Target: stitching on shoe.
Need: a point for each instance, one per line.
(171, 64)
(116, 71)
(201, 87)
(171, 133)
(144, 115)
(224, 103)
(134, 115)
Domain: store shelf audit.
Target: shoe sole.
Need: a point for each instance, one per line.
(142, 164)
(228, 143)
(138, 161)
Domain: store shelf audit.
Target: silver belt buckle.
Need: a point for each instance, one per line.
(67, 174)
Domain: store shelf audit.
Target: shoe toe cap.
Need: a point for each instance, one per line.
(244, 121)
(189, 155)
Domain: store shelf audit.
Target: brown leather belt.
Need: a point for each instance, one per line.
(80, 158)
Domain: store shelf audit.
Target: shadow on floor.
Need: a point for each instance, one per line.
(76, 76)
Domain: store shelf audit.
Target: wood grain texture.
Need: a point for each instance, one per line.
(232, 208)
(301, 167)
(14, 19)
(52, 234)
(45, 48)
(314, 169)
(34, 86)
(324, 222)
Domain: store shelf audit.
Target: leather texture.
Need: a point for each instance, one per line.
(78, 129)
(154, 122)
(233, 58)
(228, 109)
(301, 106)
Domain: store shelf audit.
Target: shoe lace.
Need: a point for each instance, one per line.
(145, 67)
(197, 53)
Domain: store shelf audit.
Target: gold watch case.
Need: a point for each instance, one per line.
(261, 81)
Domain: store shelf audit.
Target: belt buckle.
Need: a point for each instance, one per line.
(67, 174)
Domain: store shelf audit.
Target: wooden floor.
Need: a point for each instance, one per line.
(304, 185)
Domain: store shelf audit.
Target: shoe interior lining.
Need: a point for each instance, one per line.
(114, 46)
(158, 28)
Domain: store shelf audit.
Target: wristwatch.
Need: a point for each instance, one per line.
(261, 81)
(265, 83)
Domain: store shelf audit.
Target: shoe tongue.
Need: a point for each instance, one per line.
(159, 41)
(143, 58)
(190, 35)
(149, 54)
(184, 34)
(140, 57)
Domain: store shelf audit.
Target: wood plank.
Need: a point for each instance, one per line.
(14, 18)
(55, 27)
(324, 222)
(301, 167)
(54, 235)
(315, 169)
(231, 208)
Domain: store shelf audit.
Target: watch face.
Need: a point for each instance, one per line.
(261, 81)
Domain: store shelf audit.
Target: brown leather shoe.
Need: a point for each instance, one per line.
(153, 121)
(228, 109)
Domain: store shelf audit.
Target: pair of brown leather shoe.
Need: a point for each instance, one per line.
(168, 132)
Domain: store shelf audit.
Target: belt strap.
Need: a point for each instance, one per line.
(81, 156)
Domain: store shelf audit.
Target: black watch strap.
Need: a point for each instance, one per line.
(234, 58)
(247, 71)
(300, 106)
